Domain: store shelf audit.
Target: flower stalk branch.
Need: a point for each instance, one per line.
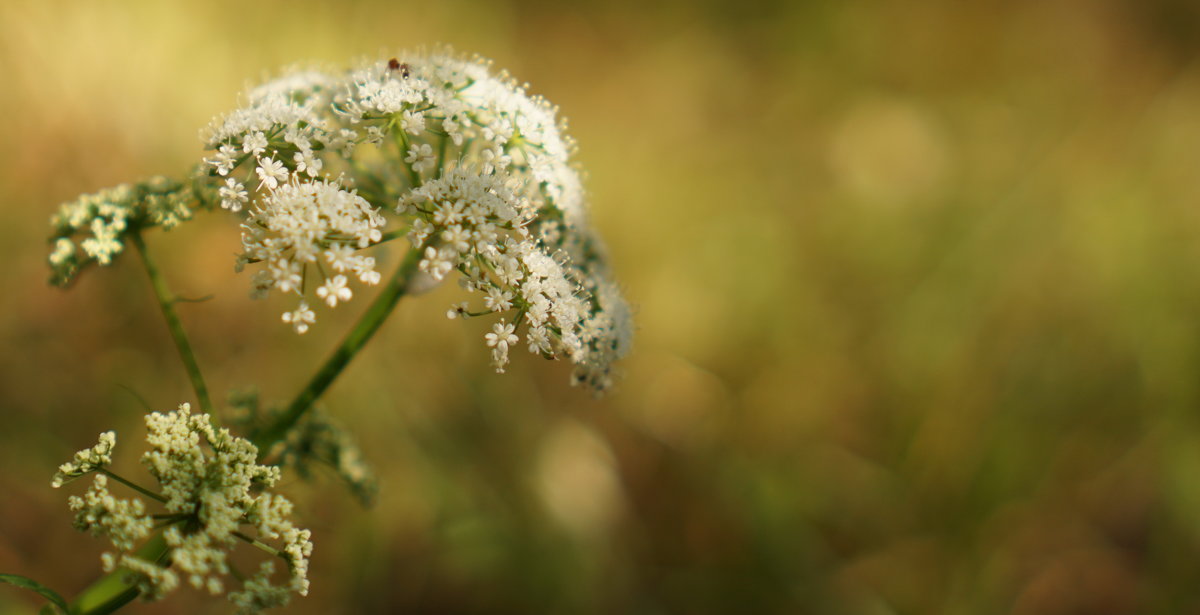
(366, 326)
(166, 301)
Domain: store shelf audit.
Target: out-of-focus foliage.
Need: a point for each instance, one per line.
(918, 289)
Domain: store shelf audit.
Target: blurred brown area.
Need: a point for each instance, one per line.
(918, 291)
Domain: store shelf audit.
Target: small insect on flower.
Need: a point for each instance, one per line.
(396, 65)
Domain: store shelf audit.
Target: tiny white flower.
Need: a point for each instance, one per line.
(451, 126)
(271, 173)
(375, 135)
(539, 340)
(436, 263)
(493, 158)
(254, 144)
(413, 122)
(288, 275)
(364, 268)
(334, 290)
(457, 237)
(419, 232)
(449, 213)
(224, 159)
(306, 162)
(457, 310)
(499, 340)
(420, 157)
(498, 300)
(502, 335)
(63, 249)
(301, 318)
(233, 194)
(340, 257)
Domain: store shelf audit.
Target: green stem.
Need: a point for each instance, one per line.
(166, 301)
(258, 544)
(441, 159)
(119, 587)
(390, 235)
(138, 488)
(370, 321)
(402, 143)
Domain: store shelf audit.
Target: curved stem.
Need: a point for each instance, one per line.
(166, 301)
(370, 321)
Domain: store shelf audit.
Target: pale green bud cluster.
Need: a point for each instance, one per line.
(321, 439)
(213, 491)
(93, 228)
(87, 460)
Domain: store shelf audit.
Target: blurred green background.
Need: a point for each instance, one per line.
(918, 286)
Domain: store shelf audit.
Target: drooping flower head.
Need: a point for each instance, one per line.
(478, 171)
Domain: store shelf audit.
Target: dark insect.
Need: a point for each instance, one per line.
(394, 64)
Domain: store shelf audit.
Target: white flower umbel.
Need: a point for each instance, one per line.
(304, 228)
(211, 486)
(93, 228)
(478, 170)
(87, 460)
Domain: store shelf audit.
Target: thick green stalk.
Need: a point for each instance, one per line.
(166, 301)
(119, 587)
(370, 321)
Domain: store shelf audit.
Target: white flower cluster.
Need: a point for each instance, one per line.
(211, 486)
(87, 460)
(311, 224)
(104, 218)
(98, 512)
(478, 169)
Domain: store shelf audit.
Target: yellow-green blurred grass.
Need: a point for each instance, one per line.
(916, 289)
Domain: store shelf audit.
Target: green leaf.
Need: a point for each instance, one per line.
(49, 594)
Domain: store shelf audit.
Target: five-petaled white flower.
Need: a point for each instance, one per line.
(271, 173)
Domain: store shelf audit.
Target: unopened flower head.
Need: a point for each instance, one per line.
(478, 171)
(320, 439)
(212, 487)
(87, 460)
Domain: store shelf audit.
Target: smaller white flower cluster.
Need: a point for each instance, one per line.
(104, 218)
(98, 512)
(304, 225)
(87, 460)
(211, 485)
